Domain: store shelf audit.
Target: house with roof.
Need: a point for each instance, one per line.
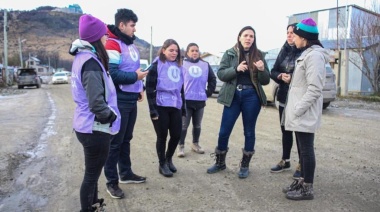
(42, 70)
(212, 59)
(353, 34)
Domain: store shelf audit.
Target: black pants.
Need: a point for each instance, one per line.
(96, 147)
(306, 143)
(287, 139)
(169, 121)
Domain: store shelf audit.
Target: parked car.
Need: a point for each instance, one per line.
(219, 83)
(329, 90)
(28, 77)
(60, 77)
(144, 64)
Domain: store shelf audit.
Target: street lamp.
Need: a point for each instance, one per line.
(20, 49)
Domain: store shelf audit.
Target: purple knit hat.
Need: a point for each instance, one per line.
(307, 29)
(91, 29)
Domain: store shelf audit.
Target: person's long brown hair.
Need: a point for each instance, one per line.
(101, 52)
(166, 44)
(253, 54)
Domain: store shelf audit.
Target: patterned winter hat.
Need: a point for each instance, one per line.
(307, 29)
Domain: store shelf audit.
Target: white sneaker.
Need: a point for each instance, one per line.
(196, 148)
(181, 151)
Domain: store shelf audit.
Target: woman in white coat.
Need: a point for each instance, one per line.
(303, 108)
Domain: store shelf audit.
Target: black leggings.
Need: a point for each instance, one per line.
(306, 143)
(96, 147)
(287, 139)
(169, 120)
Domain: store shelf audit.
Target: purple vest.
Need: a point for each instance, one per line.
(195, 76)
(130, 62)
(169, 84)
(84, 119)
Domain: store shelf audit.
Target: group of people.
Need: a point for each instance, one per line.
(107, 86)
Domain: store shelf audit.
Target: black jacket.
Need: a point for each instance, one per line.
(285, 63)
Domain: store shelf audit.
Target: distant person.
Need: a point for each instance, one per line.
(198, 75)
(282, 70)
(127, 76)
(303, 109)
(165, 94)
(96, 116)
(243, 71)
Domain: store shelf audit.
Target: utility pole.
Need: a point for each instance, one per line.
(345, 92)
(338, 48)
(20, 50)
(151, 45)
(5, 65)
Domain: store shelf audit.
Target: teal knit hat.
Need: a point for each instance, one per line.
(307, 29)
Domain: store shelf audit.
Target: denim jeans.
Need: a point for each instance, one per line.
(248, 104)
(306, 143)
(196, 116)
(119, 154)
(287, 139)
(168, 120)
(95, 147)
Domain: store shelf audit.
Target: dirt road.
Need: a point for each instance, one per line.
(41, 162)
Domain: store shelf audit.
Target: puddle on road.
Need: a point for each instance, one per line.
(46, 132)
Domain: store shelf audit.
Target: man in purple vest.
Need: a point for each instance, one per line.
(124, 66)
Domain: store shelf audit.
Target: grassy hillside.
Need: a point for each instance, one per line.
(48, 34)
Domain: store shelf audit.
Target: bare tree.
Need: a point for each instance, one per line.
(365, 38)
(54, 59)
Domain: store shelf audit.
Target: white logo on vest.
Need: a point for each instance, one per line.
(133, 53)
(174, 73)
(195, 71)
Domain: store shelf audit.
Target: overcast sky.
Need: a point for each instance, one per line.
(213, 25)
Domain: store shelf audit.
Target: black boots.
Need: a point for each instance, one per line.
(164, 170)
(244, 165)
(167, 168)
(220, 161)
(299, 190)
(171, 166)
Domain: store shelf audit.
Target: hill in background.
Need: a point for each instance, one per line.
(48, 35)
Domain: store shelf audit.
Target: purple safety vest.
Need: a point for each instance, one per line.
(130, 62)
(169, 84)
(195, 80)
(84, 119)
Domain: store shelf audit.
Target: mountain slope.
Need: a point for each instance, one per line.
(47, 34)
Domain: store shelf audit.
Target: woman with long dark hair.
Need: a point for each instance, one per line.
(243, 71)
(281, 73)
(165, 94)
(96, 116)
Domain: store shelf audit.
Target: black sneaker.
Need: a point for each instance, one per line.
(115, 191)
(132, 179)
(281, 166)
